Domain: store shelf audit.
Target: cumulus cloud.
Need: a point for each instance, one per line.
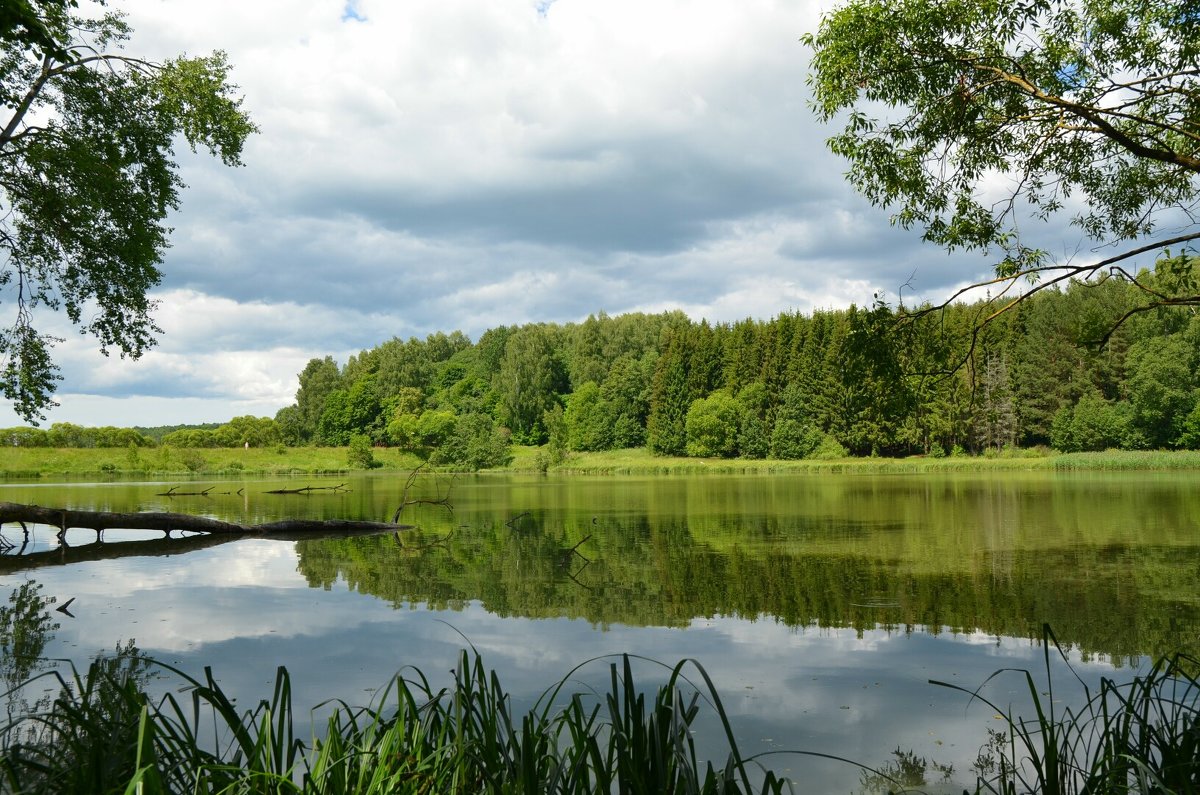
(459, 164)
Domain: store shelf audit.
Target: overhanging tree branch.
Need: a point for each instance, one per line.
(1093, 102)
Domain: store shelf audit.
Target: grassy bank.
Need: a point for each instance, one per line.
(43, 462)
(640, 462)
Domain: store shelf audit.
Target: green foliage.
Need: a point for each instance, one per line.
(361, 455)
(1161, 385)
(238, 432)
(318, 379)
(587, 419)
(712, 426)
(1140, 737)
(529, 381)
(754, 435)
(753, 441)
(830, 449)
(1189, 436)
(23, 24)
(879, 382)
(626, 394)
(24, 437)
(88, 178)
(334, 427)
(66, 434)
(248, 431)
(104, 734)
(157, 432)
(193, 461)
(559, 435)
(996, 416)
(941, 99)
(1093, 424)
(475, 444)
(670, 398)
(194, 437)
(794, 435)
(793, 439)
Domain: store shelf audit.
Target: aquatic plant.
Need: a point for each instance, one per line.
(1142, 736)
(104, 734)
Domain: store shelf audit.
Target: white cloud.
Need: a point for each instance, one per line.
(459, 164)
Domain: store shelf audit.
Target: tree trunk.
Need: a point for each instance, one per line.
(64, 519)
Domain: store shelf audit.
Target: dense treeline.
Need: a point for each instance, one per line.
(238, 432)
(862, 381)
(859, 381)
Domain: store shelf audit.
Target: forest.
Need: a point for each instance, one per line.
(861, 381)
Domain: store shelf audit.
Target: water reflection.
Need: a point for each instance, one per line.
(821, 606)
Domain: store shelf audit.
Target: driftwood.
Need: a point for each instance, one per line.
(171, 492)
(441, 499)
(309, 489)
(63, 519)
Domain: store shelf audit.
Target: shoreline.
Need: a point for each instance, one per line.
(40, 464)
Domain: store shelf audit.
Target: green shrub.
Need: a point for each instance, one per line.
(192, 461)
(829, 449)
(361, 454)
(794, 439)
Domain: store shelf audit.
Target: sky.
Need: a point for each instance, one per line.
(433, 165)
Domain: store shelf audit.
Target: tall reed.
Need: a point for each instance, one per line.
(104, 735)
(1142, 736)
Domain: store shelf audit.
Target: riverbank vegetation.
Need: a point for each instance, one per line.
(166, 461)
(47, 462)
(859, 382)
(103, 732)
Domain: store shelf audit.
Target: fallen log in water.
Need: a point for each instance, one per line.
(150, 547)
(309, 489)
(65, 519)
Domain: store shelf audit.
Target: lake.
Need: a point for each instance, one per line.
(820, 605)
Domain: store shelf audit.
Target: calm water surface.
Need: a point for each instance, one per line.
(821, 606)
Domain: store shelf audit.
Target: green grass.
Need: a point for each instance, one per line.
(27, 462)
(639, 461)
(1129, 460)
(35, 462)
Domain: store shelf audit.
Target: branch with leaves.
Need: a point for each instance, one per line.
(971, 121)
(85, 188)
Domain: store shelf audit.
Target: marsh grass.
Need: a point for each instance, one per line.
(639, 461)
(41, 462)
(103, 734)
(25, 462)
(1129, 460)
(1138, 737)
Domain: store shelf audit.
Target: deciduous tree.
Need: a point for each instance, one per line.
(971, 118)
(87, 178)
